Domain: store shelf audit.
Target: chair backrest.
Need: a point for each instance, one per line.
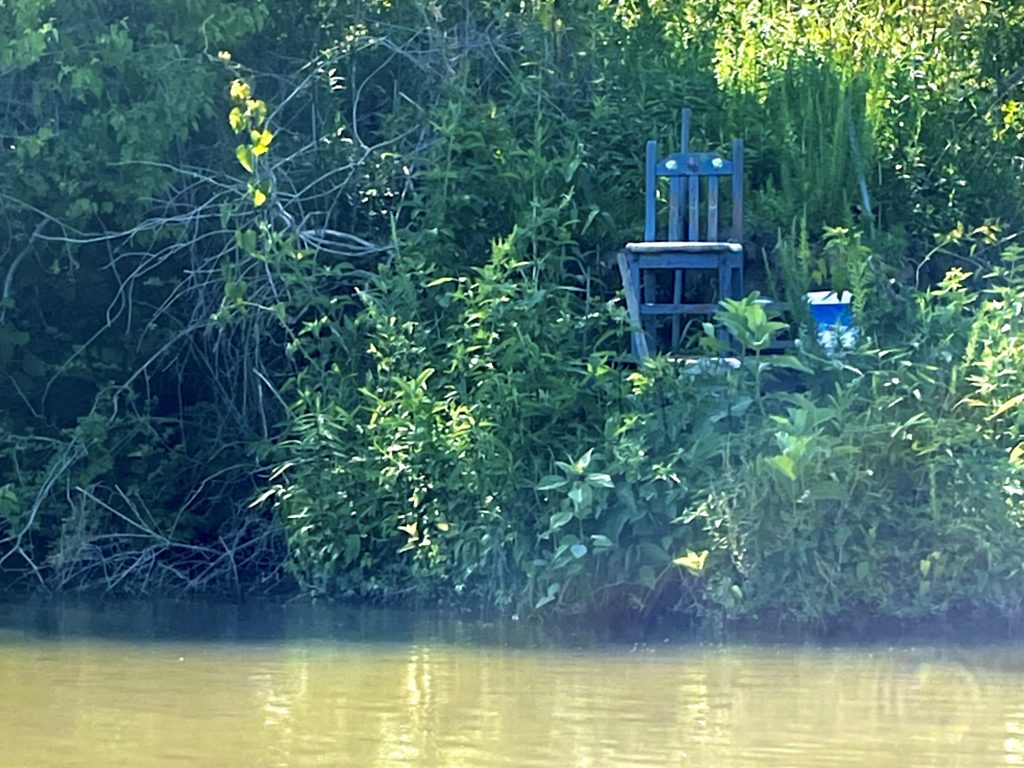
(690, 174)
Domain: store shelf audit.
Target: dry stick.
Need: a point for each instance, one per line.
(13, 269)
(74, 451)
(862, 183)
(212, 563)
(117, 556)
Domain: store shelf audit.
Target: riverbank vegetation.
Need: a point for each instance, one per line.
(322, 296)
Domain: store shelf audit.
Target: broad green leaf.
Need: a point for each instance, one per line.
(828, 490)
(552, 593)
(578, 550)
(584, 461)
(600, 480)
(543, 601)
(559, 519)
(353, 545)
(784, 464)
(789, 361)
(647, 576)
(551, 482)
(245, 157)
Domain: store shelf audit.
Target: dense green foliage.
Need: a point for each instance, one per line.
(345, 311)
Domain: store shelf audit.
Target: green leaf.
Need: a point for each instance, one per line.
(600, 480)
(1013, 402)
(441, 281)
(647, 576)
(552, 593)
(559, 519)
(578, 550)
(551, 482)
(784, 464)
(584, 461)
(245, 157)
(353, 545)
(737, 409)
(789, 361)
(1017, 453)
(841, 535)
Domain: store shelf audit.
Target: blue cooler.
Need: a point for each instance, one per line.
(833, 315)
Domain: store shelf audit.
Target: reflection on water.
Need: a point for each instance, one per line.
(209, 686)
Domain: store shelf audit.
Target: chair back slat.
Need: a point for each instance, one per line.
(693, 217)
(687, 172)
(676, 202)
(713, 208)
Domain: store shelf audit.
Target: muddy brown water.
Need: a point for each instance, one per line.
(160, 685)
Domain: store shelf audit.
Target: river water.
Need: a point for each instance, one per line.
(157, 684)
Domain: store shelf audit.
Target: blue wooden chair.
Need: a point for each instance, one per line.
(689, 240)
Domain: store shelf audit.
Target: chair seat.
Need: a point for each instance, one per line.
(683, 246)
(685, 255)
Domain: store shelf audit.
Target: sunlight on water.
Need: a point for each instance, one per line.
(334, 697)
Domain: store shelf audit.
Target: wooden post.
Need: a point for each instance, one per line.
(651, 192)
(679, 277)
(737, 191)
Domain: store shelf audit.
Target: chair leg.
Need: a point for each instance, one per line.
(650, 297)
(737, 277)
(677, 299)
(629, 270)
